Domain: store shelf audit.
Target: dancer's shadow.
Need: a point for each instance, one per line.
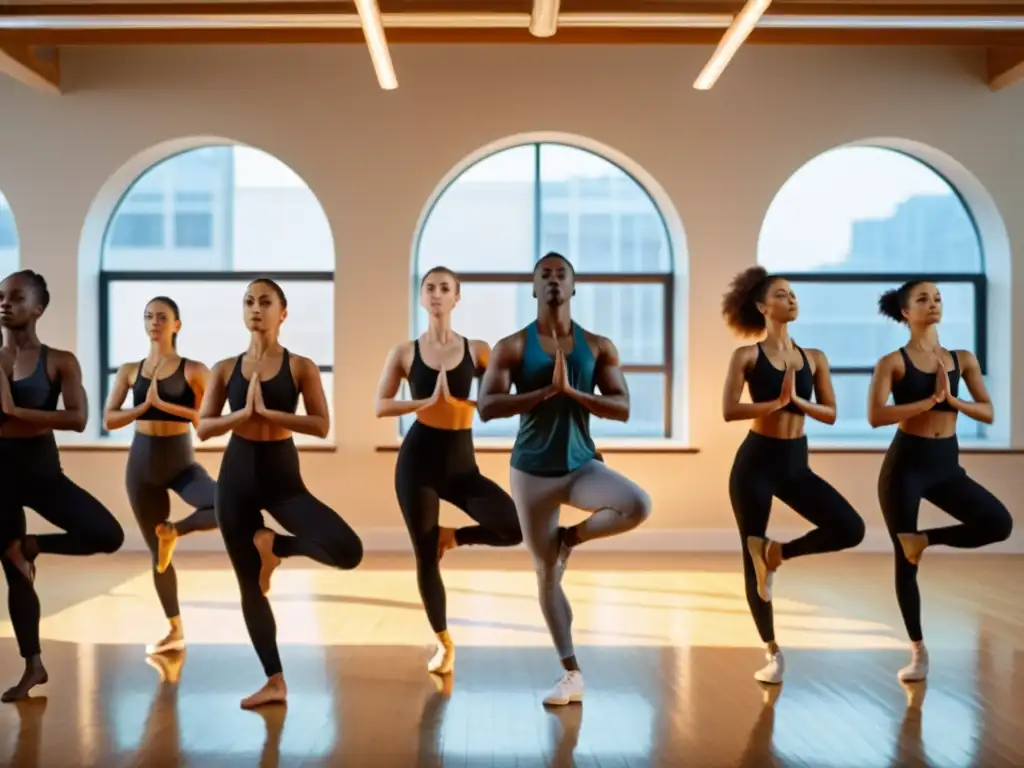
(160, 743)
(30, 732)
(273, 718)
(909, 744)
(429, 753)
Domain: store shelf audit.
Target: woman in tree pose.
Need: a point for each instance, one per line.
(167, 391)
(923, 461)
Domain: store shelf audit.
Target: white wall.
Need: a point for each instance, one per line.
(374, 159)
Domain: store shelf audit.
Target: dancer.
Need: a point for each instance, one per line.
(161, 456)
(437, 460)
(33, 378)
(923, 460)
(556, 366)
(782, 379)
(260, 470)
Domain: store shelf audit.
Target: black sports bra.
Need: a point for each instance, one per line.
(423, 378)
(764, 380)
(175, 390)
(918, 385)
(36, 391)
(279, 391)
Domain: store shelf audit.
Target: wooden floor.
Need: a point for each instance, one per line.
(666, 644)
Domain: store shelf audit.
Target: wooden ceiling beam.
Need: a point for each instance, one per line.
(1004, 66)
(31, 66)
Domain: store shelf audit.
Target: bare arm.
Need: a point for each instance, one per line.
(880, 413)
(495, 401)
(114, 417)
(197, 376)
(75, 414)
(732, 408)
(389, 384)
(211, 422)
(317, 419)
(824, 409)
(613, 402)
(970, 371)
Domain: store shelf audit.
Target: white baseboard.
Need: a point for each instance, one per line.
(723, 540)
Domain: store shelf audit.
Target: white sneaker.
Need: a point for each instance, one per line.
(917, 669)
(772, 672)
(568, 689)
(757, 547)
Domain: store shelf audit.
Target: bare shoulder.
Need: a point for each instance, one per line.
(64, 359)
(604, 347)
(511, 347)
(195, 368)
(480, 351)
(818, 358)
(967, 359)
(128, 372)
(302, 365)
(745, 355)
(891, 363)
(222, 369)
(402, 354)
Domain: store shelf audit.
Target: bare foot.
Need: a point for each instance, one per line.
(274, 692)
(16, 555)
(167, 536)
(913, 545)
(445, 541)
(35, 674)
(264, 541)
(773, 554)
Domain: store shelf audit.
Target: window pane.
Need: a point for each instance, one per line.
(597, 215)
(219, 209)
(211, 319)
(867, 209)
(631, 315)
(125, 435)
(852, 408)
(647, 409)
(842, 320)
(484, 220)
(8, 238)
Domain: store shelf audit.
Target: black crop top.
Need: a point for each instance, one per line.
(423, 378)
(279, 391)
(918, 385)
(36, 391)
(764, 380)
(175, 390)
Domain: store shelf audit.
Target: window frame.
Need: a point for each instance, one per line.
(666, 279)
(108, 278)
(886, 281)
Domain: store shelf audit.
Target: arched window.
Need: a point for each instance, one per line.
(847, 226)
(500, 215)
(197, 227)
(8, 239)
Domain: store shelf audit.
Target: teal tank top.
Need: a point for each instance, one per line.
(554, 438)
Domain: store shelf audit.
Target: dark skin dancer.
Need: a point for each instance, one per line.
(29, 369)
(162, 326)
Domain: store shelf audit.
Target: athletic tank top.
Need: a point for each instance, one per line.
(36, 391)
(174, 389)
(764, 380)
(279, 391)
(423, 378)
(918, 385)
(554, 438)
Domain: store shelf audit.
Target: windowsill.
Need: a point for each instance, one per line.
(966, 447)
(610, 446)
(114, 446)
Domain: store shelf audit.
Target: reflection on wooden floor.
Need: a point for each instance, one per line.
(666, 644)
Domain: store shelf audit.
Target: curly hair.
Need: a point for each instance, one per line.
(739, 304)
(892, 303)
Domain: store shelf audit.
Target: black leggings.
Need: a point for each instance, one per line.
(156, 465)
(265, 475)
(34, 479)
(918, 468)
(767, 467)
(435, 464)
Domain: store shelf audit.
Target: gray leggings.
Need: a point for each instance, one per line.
(618, 505)
(155, 466)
